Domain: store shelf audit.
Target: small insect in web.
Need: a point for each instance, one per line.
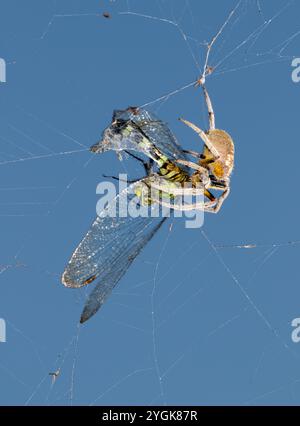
(54, 375)
(113, 242)
(106, 15)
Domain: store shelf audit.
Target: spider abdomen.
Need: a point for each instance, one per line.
(222, 141)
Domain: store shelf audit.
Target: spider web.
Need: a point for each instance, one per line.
(203, 316)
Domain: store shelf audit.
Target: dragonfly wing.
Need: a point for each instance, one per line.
(109, 247)
(125, 136)
(112, 233)
(159, 134)
(141, 131)
(109, 280)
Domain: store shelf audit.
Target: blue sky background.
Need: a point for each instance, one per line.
(222, 315)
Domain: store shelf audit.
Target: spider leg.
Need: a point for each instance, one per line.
(212, 206)
(220, 185)
(182, 190)
(193, 153)
(202, 171)
(192, 165)
(209, 195)
(211, 114)
(220, 201)
(209, 207)
(203, 136)
(205, 206)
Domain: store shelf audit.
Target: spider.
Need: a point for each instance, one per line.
(213, 169)
(217, 158)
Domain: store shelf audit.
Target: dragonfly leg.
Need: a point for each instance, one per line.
(122, 180)
(147, 165)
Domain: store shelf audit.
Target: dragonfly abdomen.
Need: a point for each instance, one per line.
(170, 171)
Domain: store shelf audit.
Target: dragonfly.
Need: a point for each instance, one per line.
(113, 242)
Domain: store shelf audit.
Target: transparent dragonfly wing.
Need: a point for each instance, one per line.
(155, 129)
(139, 130)
(109, 280)
(109, 247)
